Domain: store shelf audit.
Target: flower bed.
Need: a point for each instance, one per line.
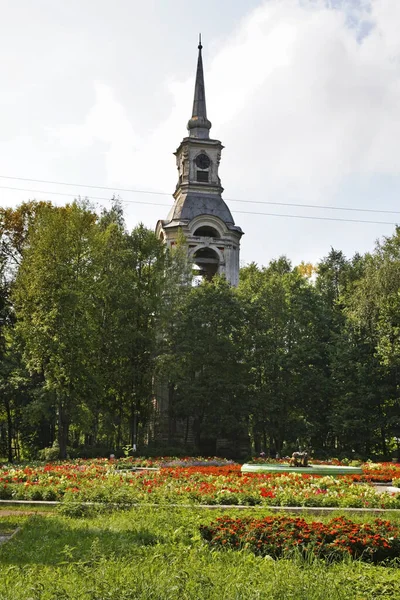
(278, 536)
(383, 472)
(378, 472)
(101, 481)
(131, 462)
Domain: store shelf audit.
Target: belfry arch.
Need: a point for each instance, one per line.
(207, 261)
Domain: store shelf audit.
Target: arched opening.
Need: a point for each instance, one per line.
(206, 263)
(206, 231)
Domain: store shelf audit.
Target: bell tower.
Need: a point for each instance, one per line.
(199, 211)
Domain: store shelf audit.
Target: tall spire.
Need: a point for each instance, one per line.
(199, 125)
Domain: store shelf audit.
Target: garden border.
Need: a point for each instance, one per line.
(321, 510)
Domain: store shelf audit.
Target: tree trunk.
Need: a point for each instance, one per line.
(278, 441)
(171, 413)
(187, 430)
(383, 438)
(197, 433)
(119, 428)
(265, 449)
(63, 427)
(96, 426)
(133, 427)
(9, 431)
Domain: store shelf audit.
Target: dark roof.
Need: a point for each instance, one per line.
(193, 205)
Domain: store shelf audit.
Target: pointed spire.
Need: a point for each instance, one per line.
(199, 125)
(199, 102)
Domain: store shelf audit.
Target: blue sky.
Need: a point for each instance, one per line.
(304, 94)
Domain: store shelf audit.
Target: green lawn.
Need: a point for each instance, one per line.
(158, 554)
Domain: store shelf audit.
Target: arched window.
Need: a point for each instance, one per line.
(207, 262)
(207, 231)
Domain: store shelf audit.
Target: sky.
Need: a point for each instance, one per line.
(304, 95)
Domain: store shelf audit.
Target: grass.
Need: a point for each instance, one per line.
(158, 554)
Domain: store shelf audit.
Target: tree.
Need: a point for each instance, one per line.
(5, 414)
(206, 370)
(283, 337)
(53, 297)
(374, 308)
(15, 224)
(143, 280)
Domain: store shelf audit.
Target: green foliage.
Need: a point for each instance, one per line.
(205, 362)
(284, 338)
(86, 298)
(51, 453)
(159, 554)
(105, 344)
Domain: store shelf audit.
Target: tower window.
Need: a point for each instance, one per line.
(202, 176)
(206, 263)
(206, 231)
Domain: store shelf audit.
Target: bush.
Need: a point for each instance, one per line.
(50, 454)
(5, 492)
(279, 536)
(34, 493)
(76, 509)
(49, 494)
(91, 452)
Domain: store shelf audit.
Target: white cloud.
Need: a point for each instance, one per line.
(293, 87)
(304, 94)
(331, 108)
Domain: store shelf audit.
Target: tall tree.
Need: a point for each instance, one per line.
(53, 296)
(375, 308)
(207, 369)
(144, 274)
(284, 354)
(15, 224)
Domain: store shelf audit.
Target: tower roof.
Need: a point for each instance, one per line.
(194, 204)
(199, 126)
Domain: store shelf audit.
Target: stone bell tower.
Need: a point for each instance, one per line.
(199, 211)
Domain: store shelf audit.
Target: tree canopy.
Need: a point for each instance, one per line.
(95, 320)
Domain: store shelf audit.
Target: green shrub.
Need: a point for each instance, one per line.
(34, 493)
(5, 492)
(49, 494)
(76, 509)
(50, 454)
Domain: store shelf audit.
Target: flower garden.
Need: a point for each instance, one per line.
(277, 536)
(195, 481)
(143, 528)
